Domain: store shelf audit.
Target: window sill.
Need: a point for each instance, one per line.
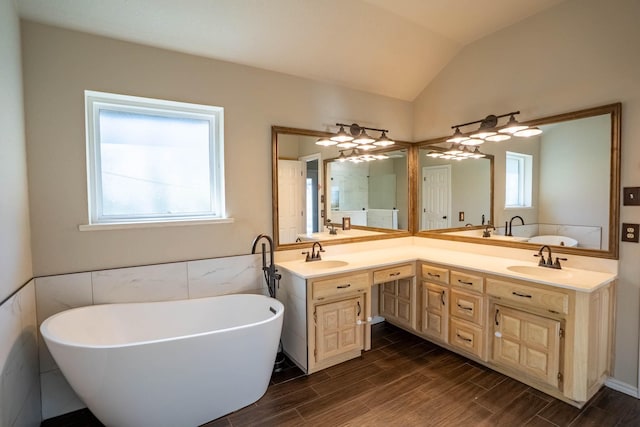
(153, 224)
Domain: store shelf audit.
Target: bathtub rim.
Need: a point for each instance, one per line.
(48, 336)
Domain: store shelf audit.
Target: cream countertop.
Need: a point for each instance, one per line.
(568, 278)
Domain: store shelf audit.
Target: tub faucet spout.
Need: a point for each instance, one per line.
(510, 228)
(270, 272)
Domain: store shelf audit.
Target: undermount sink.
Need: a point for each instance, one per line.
(328, 263)
(537, 271)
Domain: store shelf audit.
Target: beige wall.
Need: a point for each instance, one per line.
(15, 246)
(59, 65)
(582, 53)
(20, 383)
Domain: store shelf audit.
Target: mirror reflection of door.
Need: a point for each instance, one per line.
(436, 197)
(291, 200)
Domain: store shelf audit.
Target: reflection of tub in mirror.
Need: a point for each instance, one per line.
(478, 232)
(554, 240)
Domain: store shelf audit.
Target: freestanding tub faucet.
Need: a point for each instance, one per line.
(271, 275)
(510, 227)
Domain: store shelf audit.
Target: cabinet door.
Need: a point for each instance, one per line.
(387, 303)
(337, 328)
(404, 300)
(527, 342)
(435, 300)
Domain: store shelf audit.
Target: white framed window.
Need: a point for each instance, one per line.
(518, 180)
(151, 160)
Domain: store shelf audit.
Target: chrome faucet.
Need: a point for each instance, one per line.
(314, 256)
(507, 231)
(549, 263)
(487, 231)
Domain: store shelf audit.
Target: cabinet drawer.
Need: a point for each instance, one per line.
(466, 336)
(529, 296)
(467, 281)
(339, 285)
(393, 273)
(466, 306)
(435, 274)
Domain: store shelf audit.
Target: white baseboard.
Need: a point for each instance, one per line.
(622, 387)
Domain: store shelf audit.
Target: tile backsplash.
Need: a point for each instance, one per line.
(19, 380)
(162, 282)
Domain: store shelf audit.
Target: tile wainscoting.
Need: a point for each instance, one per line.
(19, 379)
(162, 282)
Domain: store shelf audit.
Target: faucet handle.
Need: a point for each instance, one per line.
(308, 255)
(317, 255)
(542, 261)
(557, 263)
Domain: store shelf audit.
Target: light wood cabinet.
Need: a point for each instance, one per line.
(467, 306)
(528, 343)
(397, 296)
(467, 315)
(338, 312)
(554, 339)
(435, 313)
(338, 328)
(326, 319)
(557, 340)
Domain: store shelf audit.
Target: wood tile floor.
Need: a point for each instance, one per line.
(406, 381)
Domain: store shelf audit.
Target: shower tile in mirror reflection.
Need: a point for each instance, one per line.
(239, 274)
(161, 282)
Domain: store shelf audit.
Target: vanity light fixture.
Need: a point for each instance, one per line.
(356, 156)
(457, 137)
(326, 142)
(457, 152)
(384, 140)
(342, 135)
(347, 144)
(532, 131)
(490, 131)
(357, 136)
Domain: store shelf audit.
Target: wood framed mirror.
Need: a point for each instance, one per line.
(309, 187)
(572, 171)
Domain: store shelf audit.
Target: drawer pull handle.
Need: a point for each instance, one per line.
(464, 339)
(496, 317)
(521, 295)
(397, 273)
(465, 308)
(348, 285)
(433, 275)
(359, 309)
(465, 283)
(442, 298)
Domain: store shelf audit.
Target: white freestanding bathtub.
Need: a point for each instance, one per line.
(176, 363)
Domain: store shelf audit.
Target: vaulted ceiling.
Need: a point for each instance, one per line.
(388, 47)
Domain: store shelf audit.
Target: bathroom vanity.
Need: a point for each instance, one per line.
(551, 329)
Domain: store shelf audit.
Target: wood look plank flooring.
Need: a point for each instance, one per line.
(407, 381)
